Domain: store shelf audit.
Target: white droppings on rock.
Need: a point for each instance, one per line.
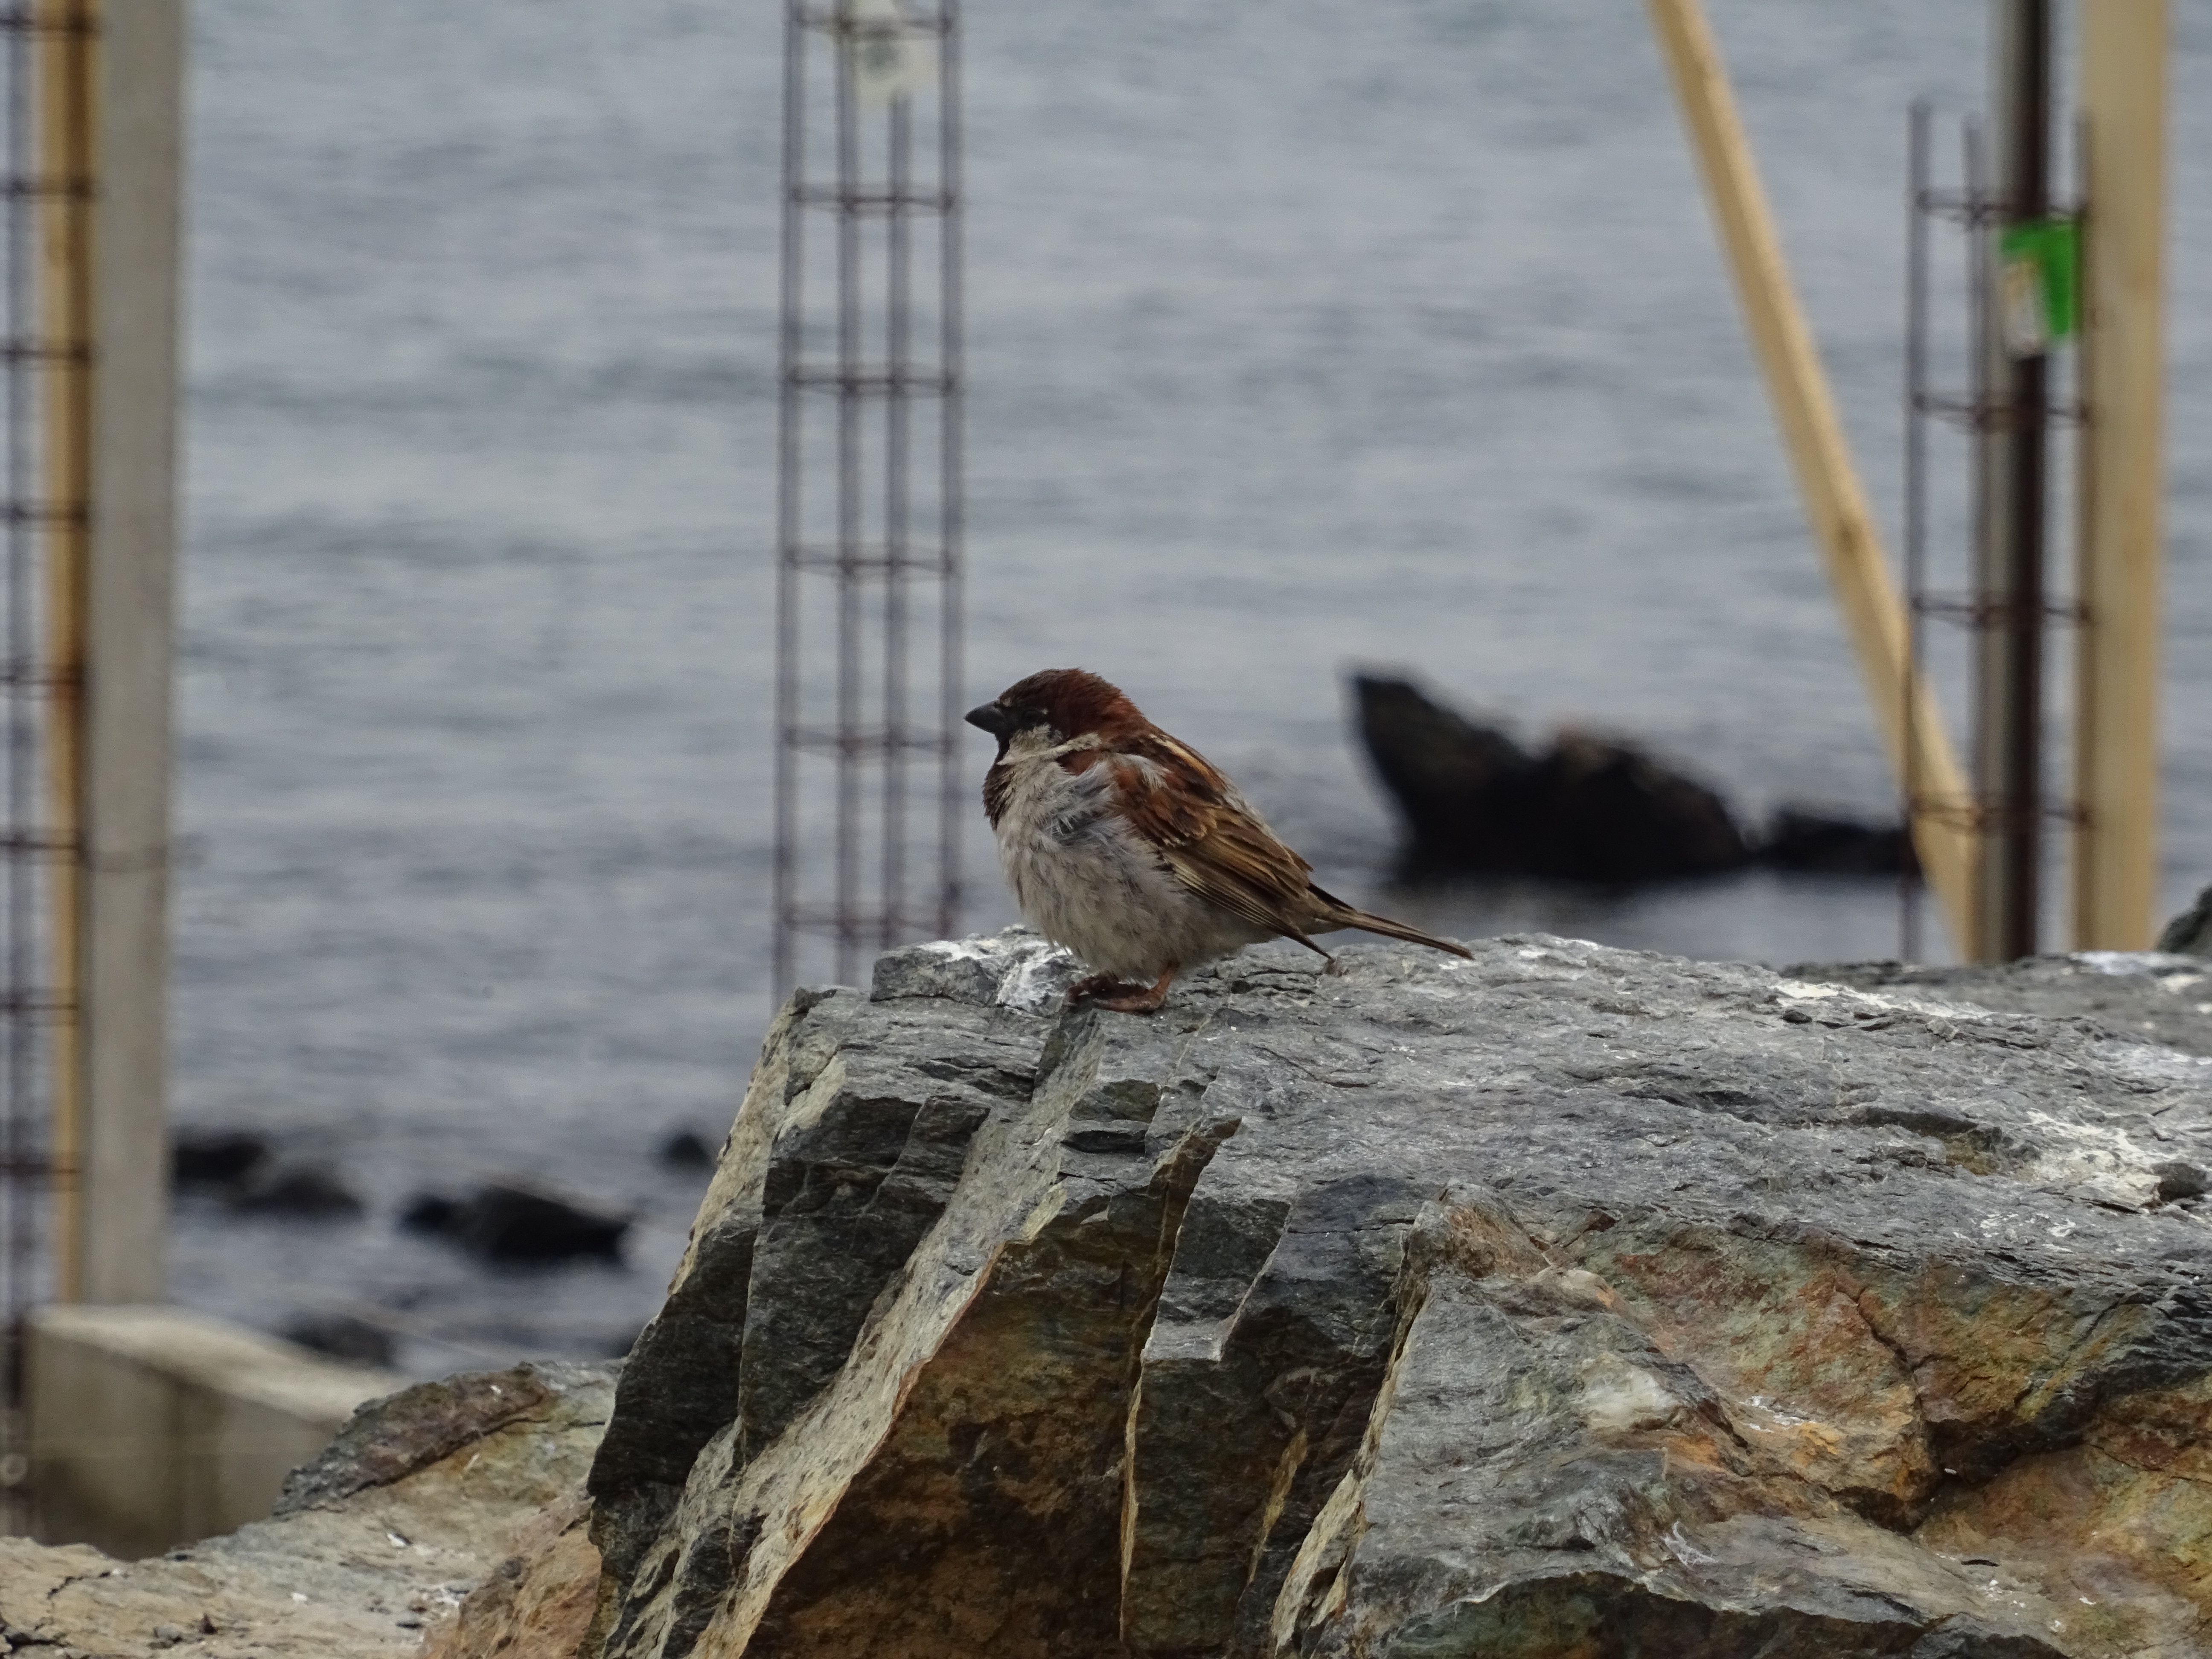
(2093, 1161)
(1038, 980)
(2118, 963)
(1620, 1398)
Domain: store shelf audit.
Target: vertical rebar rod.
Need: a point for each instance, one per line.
(952, 505)
(790, 514)
(21, 1146)
(1916, 504)
(898, 300)
(850, 347)
(65, 40)
(2014, 472)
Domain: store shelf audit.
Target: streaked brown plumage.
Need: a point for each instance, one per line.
(1126, 846)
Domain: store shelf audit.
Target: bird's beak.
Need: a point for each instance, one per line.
(989, 717)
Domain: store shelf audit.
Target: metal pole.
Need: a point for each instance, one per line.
(849, 393)
(2008, 751)
(898, 366)
(953, 799)
(789, 509)
(1916, 499)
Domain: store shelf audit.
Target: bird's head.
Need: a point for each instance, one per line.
(1056, 707)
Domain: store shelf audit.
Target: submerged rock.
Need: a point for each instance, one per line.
(687, 1149)
(312, 1191)
(516, 1220)
(1833, 843)
(1591, 809)
(1569, 1300)
(214, 1158)
(342, 1336)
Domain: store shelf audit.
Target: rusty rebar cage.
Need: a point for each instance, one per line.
(2013, 810)
(869, 508)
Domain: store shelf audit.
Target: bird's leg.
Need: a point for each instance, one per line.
(1098, 985)
(1140, 998)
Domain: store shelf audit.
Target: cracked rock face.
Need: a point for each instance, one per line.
(1567, 1301)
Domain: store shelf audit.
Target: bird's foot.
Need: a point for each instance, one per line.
(1104, 990)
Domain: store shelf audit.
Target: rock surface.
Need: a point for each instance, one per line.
(1567, 1301)
(515, 1219)
(423, 1497)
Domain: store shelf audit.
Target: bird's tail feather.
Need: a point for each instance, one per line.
(1391, 929)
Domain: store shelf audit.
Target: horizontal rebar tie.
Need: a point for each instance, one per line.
(829, 558)
(37, 677)
(1988, 416)
(1977, 613)
(1968, 207)
(46, 351)
(40, 847)
(1983, 815)
(875, 382)
(837, 20)
(35, 1167)
(36, 1005)
(875, 203)
(35, 187)
(825, 740)
(45, 513)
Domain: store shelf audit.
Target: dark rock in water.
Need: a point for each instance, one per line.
(1450, 776)
(429, 1212)
(1592, 809)
(342, 1336)
(1565, 1300)
(311, 1190)
(214, 1158)
(516, 1220)
(2190, 933)
(1803, 838)
(686, 1150)
(1595, 809)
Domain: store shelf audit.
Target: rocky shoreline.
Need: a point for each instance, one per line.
(1569, 1300)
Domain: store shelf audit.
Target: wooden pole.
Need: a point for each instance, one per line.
(1835, 502)
(65, 47)
(2124, 99)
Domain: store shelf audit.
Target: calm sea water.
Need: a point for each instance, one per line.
(1303, 336)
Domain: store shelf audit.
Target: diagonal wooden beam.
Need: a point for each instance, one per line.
(1835, 502)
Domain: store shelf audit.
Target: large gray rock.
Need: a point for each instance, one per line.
(1565, 1301)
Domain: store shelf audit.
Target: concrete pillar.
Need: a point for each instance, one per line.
(123, 893)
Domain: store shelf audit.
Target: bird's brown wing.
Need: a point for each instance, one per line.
(1217, 845)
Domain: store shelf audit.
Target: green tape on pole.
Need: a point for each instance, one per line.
(2040, 261)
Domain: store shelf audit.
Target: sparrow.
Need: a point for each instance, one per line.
(1126, 846)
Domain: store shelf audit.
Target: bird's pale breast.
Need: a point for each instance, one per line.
(1085, 880)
